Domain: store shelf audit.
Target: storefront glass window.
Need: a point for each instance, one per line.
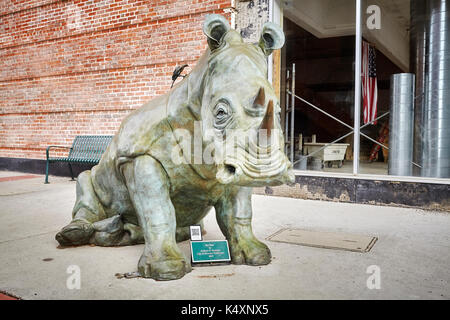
(411, 40)
(320, 45)
(404, 123)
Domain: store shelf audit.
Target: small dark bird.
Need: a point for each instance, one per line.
(177, 73)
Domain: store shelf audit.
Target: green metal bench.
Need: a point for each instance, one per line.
(85, 149)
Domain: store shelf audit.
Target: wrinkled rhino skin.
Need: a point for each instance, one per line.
(138, 194)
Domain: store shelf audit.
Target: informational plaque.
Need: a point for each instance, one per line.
(210, 251)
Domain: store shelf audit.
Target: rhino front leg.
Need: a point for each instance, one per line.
(234, 216)
(148, 186)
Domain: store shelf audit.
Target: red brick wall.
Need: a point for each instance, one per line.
(78, 67)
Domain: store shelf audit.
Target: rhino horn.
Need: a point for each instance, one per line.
(267, 122)
(260, 98)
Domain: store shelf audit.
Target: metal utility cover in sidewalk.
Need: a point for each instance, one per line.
(329, 240)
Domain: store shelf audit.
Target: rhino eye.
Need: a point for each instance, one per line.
(222, 114)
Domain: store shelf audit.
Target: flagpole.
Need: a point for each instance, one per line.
(358, 51)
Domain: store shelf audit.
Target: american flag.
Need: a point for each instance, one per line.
(369, 83)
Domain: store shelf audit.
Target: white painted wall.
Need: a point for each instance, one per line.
(334, 18)
(393, 37)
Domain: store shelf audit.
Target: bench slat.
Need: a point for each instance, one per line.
(89, 148)
(85, 149)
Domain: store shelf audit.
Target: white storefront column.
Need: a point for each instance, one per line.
(358, 53)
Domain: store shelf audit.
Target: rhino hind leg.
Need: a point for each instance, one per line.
(113, 232)
(77, 232)
(90, 225)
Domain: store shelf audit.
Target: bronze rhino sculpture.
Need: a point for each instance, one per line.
(149, 186)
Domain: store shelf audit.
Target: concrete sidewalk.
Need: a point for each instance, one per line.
(412, 252)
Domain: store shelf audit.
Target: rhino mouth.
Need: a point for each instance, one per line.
(227, 173)
(230, 169)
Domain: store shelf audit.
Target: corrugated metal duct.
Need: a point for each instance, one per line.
(430, 59)
(401, 124)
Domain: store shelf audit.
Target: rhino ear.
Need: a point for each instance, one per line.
(214, 27)
(272, 38)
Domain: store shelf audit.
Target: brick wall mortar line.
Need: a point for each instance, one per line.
(112, 29)
(137, 67)
(65, 111)
(21, 148)
(35, 7)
